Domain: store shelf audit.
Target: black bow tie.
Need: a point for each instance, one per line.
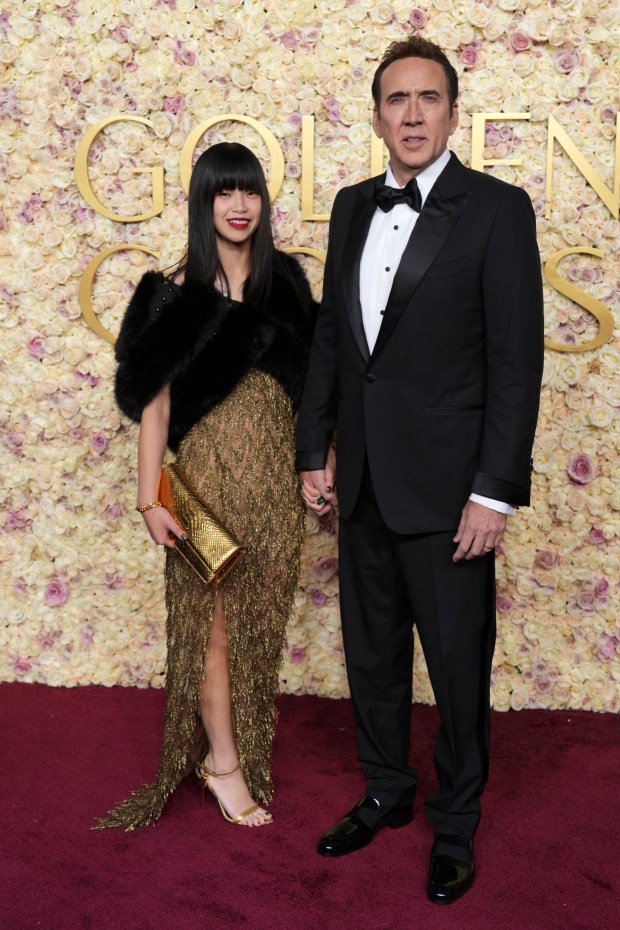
(387, 197)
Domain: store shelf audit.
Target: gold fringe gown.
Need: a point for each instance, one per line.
(240, 456)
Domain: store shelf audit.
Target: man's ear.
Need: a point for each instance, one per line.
(454, 117)
(376, 122)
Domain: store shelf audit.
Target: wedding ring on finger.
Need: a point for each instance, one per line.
(488, 548)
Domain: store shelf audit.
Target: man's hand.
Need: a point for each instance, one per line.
(480, 530)
(318, 487)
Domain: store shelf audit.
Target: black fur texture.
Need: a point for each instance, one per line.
(203, 344)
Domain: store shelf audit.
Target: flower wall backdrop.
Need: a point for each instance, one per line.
(81, 584)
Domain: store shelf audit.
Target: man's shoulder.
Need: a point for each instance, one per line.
(362, 188)
(493, 187)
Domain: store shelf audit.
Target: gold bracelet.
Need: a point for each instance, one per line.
(150, 506)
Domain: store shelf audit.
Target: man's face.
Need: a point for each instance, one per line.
(414, 118)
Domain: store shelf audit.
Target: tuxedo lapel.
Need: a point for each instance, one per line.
(439, 215)
(361, 218)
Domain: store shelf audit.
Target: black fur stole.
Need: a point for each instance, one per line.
(203, 344)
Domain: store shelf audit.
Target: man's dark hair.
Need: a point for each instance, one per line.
(416, 47)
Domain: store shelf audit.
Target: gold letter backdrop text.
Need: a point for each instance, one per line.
(594, 306)
(83, 181)
(276, 155)
(85, 288)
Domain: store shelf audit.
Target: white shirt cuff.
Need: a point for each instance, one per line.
(499, 506)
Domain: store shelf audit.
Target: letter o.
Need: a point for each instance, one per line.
(276, 156)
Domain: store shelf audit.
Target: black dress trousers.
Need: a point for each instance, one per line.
(390, 582)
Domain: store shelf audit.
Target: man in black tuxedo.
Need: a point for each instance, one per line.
(427, 360)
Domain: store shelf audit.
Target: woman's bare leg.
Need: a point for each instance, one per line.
(216, 713)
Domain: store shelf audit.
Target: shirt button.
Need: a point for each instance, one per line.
(396, 227)
(370, 378)
(387, 269)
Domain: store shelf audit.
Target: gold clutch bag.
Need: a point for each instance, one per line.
(210, 548)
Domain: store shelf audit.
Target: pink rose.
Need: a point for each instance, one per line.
(333, 109)
(601, 587)
(114, 511)
(14, 442)
(36, 348)
(586, 601)
(21, 666)
(580, 468)
(491, 135)
(99, 442)
(56, 592)
(418, 18)
(16, 520)
(596, 537)
(469, 56)
(174, 104)
(519, 41)
(297, 654)
(545, 558)
(324, 568)
(607, 648)
(318, 597)
(288, 39)
(121, 33)
(503, 604)
(184, 56)
(567, 58)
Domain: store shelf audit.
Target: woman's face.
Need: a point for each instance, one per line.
(236, 215)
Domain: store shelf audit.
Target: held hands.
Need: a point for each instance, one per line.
(318, 487)
(160, 524)
(480, 530)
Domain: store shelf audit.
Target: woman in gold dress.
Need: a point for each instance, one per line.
(211, 363)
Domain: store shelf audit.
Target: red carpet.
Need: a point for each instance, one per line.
(548, 849)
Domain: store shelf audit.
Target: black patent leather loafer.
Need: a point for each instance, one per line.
(449, 876)
(359, 827)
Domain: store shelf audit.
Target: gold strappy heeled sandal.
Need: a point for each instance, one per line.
(202, 774)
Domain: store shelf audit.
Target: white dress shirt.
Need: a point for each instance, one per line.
(386, 241)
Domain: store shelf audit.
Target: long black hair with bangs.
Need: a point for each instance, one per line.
(227, 166)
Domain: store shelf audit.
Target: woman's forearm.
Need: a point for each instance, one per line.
(152, 443)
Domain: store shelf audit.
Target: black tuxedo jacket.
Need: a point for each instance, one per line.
(447, 401)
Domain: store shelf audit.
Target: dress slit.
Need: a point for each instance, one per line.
(240, 457)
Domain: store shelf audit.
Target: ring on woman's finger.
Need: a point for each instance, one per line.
(488, 548)
(329, 489)
(320, 500)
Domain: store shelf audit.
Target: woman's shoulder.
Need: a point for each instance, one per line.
(154, 293)
(152, 287)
